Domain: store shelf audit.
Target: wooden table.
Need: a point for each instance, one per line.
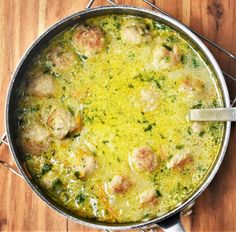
(21, 21)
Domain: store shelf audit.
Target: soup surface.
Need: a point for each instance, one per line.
(103, 119)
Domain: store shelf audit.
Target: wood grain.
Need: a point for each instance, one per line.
(22, 21)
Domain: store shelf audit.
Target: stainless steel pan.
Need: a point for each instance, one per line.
(171, 220)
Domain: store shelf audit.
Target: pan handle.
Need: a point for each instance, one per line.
(5, 164)
(172, 224)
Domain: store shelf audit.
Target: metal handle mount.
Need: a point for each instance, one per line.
(90, 3)
(213, 114)
(172, 224)
(5, 164)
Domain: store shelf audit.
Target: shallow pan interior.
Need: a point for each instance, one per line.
(11, 125)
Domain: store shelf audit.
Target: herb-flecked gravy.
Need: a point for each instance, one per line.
(102, 119)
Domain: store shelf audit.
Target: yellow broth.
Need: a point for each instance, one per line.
(134, 91)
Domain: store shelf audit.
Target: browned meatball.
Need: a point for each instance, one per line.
(134, 32)
(40, 85)
(61, 122)
(148, 197)
(35, 139)
(192, 87)
(179, 160)
(164, 58)
(144, 159)
(149, 99)
(88, 40)
(119, 184)
(62, 59)
(87, 165)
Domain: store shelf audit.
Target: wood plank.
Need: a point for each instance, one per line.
(21, 21)
(21, 209)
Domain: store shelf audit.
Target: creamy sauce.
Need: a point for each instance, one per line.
(102, 119)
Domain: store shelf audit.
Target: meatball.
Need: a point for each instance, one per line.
(149, 100)
(62, 59)
(148, 197)
(193, 87)
(40, 85)
(61, 122)
(163, 58)
(88, 165)
(144, 159)
(134, 32)
(119, 184)
(179, 160)
(35, 139)
(88, 40)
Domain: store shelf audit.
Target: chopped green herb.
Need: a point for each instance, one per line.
(57, 185)
(77, 175)
(82, 57)
(172, 39)
(103, 23)
(183, 59)
(167, 47)
(198, 105)
(157, 84)
(214, 130)
(130, 86)
(179, 147)
(172, 98)
(157, 81)
(162, 78)
(148, 128)
(80, 198)
(215, 103)
(201, 168)
(162, 136)
(71, 110)
(140, 77)
(146, 215)
(189, 131)
(167, 58)
(132, 55)
(158, 193)
(195, 63)
(34, 109)
(159, 26)
(46, 168)
(202, 133)
(214, 127)
(105, 141)
(76, 135)
(117, 25)
(88, 119)
(47, 67)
